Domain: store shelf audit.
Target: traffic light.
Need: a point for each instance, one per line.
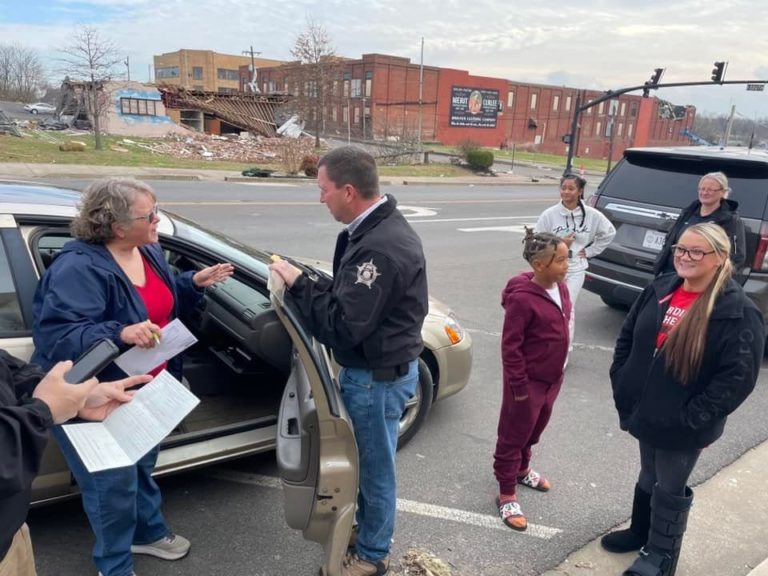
(657, 72)
(718, 72)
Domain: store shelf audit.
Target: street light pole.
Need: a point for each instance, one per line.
(253, 65)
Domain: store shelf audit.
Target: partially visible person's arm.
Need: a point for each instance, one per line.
(602, 235)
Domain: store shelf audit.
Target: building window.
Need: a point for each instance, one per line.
(356, 117)
(310, 89)
(226, 74)
(567, 103)
(534, 97)
(170, 72)
(345, 114)
(598, 127)
(555, 103)
(345, 88)
(629, 131)
(197, 72)
(620, 129)
(510, 99)
(623, 109)
(138, 106)
(335, 89)
(633, 109)
(335, 114)
(357, 88)
(600, 107)
(368, 83)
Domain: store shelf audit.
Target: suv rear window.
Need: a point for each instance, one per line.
(660, 179)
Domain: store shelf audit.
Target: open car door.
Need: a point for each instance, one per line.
(316, 449)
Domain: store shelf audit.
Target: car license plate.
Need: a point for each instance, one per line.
(654, 240)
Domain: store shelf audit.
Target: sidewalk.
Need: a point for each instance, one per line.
(726, 529)
(29, 171)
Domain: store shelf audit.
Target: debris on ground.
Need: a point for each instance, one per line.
(72, 146)
(418, 562)
(8, 125)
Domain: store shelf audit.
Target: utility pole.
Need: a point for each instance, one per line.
(127, 63)
(421, 91)
(729, 126)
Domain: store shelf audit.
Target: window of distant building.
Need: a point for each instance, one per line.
(598, 127)
(555, 102)
(138, 106)
(629, 131)
(600, 107)
(356, 117)
(334, 114)
(623, 109)
(345, 89)
(567, 103)
(226, 74)
(510, 99)
(197, 72)
(368, 83)
(619, 129)
(633, 109)
(335, 89)
(357, 88)
(534, 98)
(345, 114)
(169, 72)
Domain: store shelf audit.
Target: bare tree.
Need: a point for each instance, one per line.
(21, 73)
(318, 66)
(91, 59)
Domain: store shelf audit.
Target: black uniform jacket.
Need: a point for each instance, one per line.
(372, 311)
(24, 424)
(727, 216)
(653, 405)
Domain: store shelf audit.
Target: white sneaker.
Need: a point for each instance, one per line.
(171, 547)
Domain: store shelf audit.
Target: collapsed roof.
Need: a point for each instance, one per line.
(252, 112)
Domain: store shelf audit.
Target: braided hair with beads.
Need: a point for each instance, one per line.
(535, 244)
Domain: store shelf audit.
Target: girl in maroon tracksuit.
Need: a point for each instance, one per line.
(534, 346)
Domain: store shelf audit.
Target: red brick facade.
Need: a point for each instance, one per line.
(377, 97)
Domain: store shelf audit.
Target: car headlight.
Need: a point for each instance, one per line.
(453, 329)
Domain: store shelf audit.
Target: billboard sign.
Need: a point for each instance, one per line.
(474, 107)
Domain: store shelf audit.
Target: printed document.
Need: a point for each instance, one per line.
(174, 339)
(134, 428)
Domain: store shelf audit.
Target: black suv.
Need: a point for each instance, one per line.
(642, 197)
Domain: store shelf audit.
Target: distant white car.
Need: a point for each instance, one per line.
(40, 108)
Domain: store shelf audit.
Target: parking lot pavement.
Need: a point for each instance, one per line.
(726, 528)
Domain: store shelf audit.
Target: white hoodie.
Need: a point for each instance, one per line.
(593, 232)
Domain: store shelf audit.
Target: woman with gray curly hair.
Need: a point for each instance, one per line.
(113, 282)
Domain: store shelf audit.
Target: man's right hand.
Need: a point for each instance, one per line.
(63, 399)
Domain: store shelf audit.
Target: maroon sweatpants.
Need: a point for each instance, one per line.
(520, 427)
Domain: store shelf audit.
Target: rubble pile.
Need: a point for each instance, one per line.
(232, 148)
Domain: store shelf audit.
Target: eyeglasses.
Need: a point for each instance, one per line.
(710, 190)
(695, 254)
(149, 217)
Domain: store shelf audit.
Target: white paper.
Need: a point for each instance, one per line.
(174, 339)
(134, 428)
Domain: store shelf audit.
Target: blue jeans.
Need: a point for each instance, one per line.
(375, 409)
(123, 507)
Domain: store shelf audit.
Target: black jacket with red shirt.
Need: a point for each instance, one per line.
(534, 341)
(653, 405)
(24, 424)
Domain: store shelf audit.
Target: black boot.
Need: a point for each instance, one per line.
(634, 537)
(669, 517)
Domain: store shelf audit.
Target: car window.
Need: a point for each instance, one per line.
(672, 181)
(11, 322)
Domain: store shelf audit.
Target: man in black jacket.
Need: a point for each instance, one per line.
(32, 401)
(370, 315)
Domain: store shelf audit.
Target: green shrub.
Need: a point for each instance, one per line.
(480, 159)
(466, 146)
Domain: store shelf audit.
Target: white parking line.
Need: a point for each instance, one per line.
(429, 510)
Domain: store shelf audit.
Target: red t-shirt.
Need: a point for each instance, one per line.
(158, 299)
(680, 301)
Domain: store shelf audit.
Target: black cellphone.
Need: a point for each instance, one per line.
(92, 361)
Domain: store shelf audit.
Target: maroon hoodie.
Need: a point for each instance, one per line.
(534, 342)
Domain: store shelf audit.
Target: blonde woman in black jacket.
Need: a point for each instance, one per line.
(687, 356)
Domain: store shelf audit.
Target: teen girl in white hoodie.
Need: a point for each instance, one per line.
(585, 231)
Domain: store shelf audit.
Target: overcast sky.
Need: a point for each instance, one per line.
(596, 44)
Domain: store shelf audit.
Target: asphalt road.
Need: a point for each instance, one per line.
(16, 110)
(472, 238)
